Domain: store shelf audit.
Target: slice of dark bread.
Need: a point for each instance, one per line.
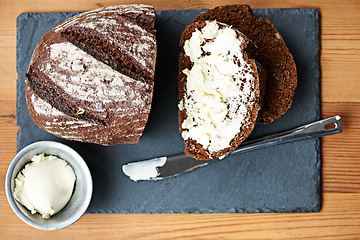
(243, 102)
(75, 74)
(272, 54)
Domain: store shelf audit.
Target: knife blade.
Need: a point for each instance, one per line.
(169, 166)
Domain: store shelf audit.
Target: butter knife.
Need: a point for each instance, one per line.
(169, 166)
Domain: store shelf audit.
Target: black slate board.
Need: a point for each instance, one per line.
(283, 178)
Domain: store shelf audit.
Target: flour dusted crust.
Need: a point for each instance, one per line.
(272, 54)
(79, 84)
(193, 147)
(127, 36)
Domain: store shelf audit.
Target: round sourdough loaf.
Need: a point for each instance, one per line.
(91, 78)
(272, 53)
(219, 89)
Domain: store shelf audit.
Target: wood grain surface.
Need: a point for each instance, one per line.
(340, 71)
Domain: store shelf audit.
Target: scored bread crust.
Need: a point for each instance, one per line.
(272, 54)
(192, 147)
(75, 129)
(122, 117)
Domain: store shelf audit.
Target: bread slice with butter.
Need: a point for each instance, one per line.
(219, 89)
(272, 53)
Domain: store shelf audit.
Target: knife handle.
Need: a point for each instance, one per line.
(316, 129)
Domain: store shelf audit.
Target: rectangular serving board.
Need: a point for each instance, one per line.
(284, 178)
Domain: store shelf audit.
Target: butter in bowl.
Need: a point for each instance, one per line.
(48, 185)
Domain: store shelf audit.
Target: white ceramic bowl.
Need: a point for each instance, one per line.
(80, 199)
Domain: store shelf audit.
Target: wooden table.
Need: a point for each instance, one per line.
(340, 214)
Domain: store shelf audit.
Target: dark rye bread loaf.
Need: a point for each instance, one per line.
(90, 79)
(272, 54)
(246, 107)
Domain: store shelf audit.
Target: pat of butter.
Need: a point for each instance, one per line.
(144, 170)
(45, 185)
